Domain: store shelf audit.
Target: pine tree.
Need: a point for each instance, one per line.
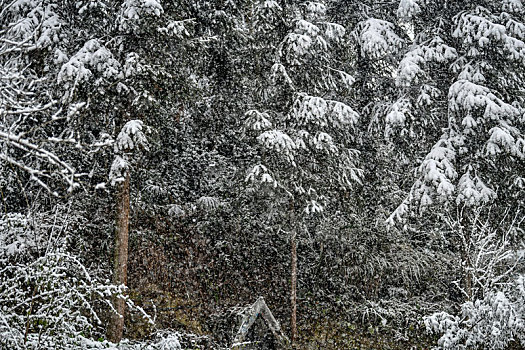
(305, 139)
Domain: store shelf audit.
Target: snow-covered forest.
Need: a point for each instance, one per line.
(260, 174)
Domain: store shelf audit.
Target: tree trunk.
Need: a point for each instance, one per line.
(294, 288)
(467, 271)
(466, 251)
(120, 272)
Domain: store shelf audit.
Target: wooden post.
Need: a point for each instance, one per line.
(120, 272)
(293, 296)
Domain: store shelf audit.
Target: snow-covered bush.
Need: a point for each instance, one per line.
(51, 302)
(14, 236)
(489, 323)
(48, 298)
(492, 284)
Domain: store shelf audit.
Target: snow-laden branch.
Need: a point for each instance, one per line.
(64, 170)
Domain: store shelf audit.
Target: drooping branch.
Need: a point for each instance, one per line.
(64, 170)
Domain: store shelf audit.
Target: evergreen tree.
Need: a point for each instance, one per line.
(306, 139)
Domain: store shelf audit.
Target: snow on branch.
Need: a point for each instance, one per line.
(479, 27)
(377, 38)
(92, 58)
(279, 142)
(436, 176)
(131, 137)
(408, 9)
(64, 170)
(134, 11)
(257, 121)
(312, 110)
(411, 69)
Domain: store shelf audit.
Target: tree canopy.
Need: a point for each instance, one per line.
(165, 163)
